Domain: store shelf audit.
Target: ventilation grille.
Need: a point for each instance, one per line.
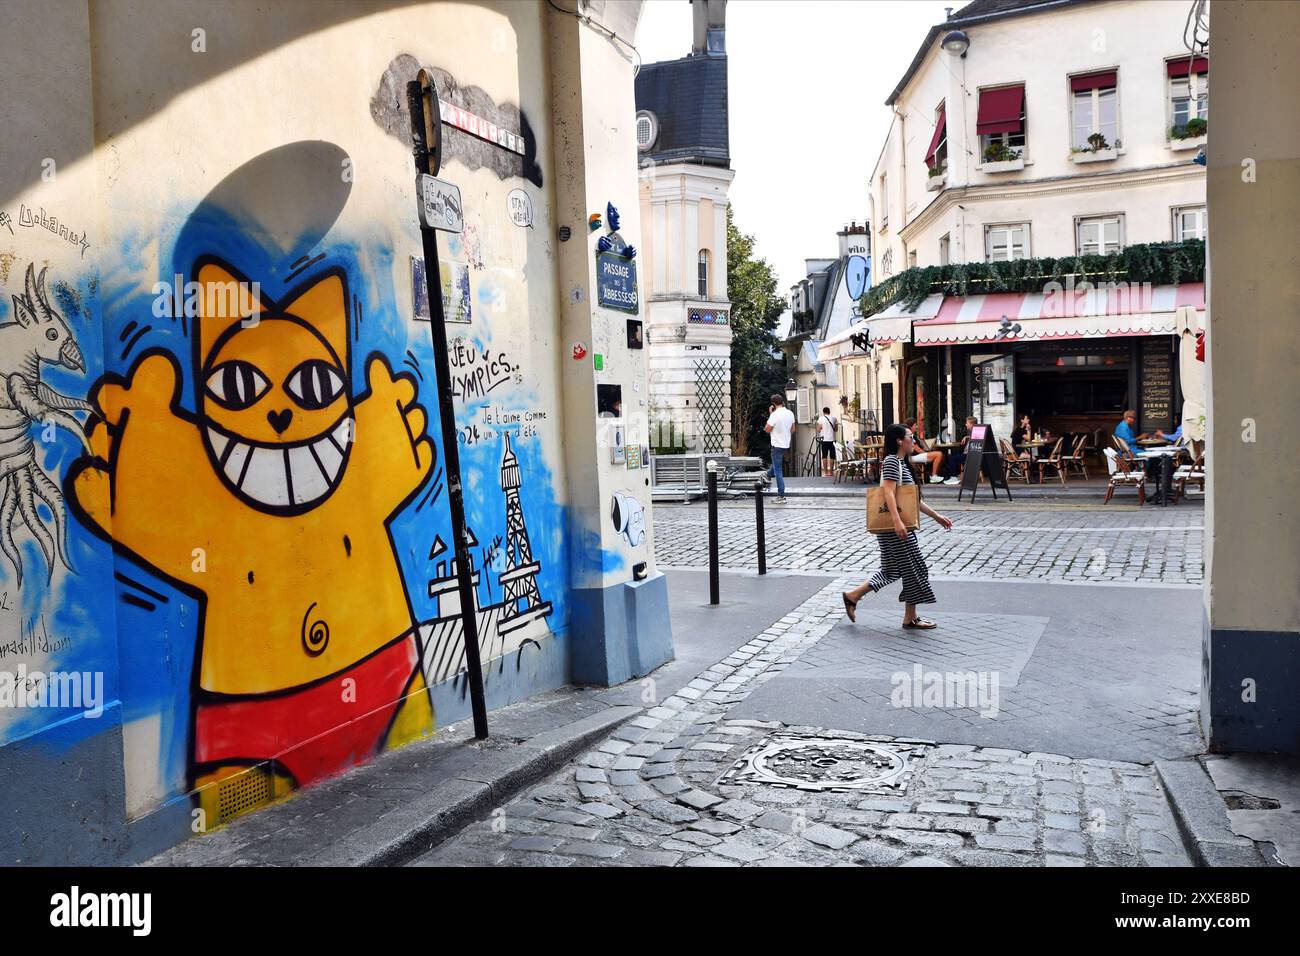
(243, 792)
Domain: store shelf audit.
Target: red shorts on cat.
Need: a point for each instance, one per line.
(317, 731)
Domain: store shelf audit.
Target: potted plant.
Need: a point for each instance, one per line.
(936, 171)
(1192, 129)
(999, 152)
(1098, 142)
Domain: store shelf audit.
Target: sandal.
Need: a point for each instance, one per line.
(850, 607)
(920, 624)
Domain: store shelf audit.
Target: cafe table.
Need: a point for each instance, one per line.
(1164, 474)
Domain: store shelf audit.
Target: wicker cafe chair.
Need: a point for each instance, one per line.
(1075, 458)
(1054, 460)
(873, 454)
(1016, 467)
(1194, 473)
(1122, 476)
(849, 462)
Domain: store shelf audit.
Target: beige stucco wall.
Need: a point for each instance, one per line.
(1151, 176)
(1252, 523)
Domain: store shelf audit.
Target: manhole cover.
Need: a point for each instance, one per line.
(827, 762)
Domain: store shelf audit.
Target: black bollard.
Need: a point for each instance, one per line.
(758, 518)
(713, 535)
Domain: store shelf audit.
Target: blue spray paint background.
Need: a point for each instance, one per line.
(147, 657)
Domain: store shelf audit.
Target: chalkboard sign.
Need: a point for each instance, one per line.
(1157, 386)
(982, 456)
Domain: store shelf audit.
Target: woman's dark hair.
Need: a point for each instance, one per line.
(894, 434)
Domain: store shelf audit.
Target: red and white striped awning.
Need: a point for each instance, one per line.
(1102, 312)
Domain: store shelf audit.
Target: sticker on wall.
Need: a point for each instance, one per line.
(645, 456)
(577, 295)
(633, 456)
(455, 291)
(628, 517)
(520, 207)
(593, 222)
(598, 361)
(634, 334)
(579, 351)
(857, 276)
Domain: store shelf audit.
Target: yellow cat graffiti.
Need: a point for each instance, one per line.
(271, 505)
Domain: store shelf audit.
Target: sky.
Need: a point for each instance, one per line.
(807, 84)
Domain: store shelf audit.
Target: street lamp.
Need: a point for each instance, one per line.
(956, 43)
(791, 392)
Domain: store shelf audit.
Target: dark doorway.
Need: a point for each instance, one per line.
(887, 405)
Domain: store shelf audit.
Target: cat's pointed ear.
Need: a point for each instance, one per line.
(324, 306)
(223, 301)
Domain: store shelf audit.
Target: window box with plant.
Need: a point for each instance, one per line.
(1189, 101)
(1098, 150)
(1094, 117)
(1190, 135)
(936, 156)
(1001, 127)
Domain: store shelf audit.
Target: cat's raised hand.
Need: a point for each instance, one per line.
(390, 445)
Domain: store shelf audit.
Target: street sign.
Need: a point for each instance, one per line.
(440, 206)
(616, 282)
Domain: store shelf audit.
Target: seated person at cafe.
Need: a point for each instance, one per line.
(1125, 430)
(1173, 436)
(1022, 433)
(922, 456)
(957, 459)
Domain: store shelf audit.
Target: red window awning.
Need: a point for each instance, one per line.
(939, 129)
(1093, 81)
(1000, 110)
(1184, 65)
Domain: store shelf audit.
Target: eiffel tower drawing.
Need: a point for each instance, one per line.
(519, 580)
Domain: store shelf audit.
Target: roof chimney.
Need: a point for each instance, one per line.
(947, 13)
(709, 27)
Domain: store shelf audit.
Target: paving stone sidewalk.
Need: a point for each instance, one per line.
(1152, 547)
(653, 794)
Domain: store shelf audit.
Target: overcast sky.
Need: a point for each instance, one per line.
(807, 84)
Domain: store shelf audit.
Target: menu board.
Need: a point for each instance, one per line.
(1157, 411)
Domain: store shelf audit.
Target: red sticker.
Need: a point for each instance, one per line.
(579, 351)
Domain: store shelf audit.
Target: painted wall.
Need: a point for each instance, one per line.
(224, 498)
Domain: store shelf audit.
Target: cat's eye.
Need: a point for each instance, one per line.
(237, 385)
(314, 384)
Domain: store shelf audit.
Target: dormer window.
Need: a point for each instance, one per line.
(647, 130)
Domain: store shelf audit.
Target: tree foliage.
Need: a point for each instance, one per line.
(757, 368)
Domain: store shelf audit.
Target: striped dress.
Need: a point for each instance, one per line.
(899, 558)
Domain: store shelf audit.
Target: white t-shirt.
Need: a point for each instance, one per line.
(782, 422)
(826, 428)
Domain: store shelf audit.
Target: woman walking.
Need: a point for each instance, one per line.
(900, 554)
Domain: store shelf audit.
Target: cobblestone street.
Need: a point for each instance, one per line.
(673, 788)
(1147, 546)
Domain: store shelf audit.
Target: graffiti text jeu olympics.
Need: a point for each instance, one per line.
(475, 372)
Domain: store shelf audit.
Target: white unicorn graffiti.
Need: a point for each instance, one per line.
(37, 333)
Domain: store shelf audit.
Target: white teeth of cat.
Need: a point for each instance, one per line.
(234, 466)
(308, 482)
(265, 478)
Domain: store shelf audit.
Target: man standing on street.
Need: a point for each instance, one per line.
(780, 425)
